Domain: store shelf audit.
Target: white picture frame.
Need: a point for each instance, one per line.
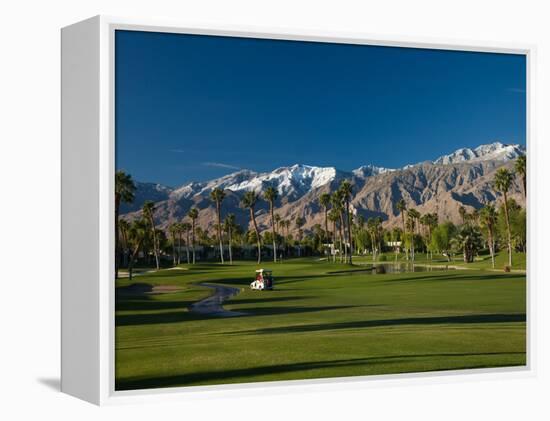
(88, 216)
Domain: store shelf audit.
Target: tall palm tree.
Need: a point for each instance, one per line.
(270, 195)
(299, 222)
(277, 223)
(148, 212)
(284, 230)
(521, 168)
(173, 229)
(123, 227)
(346, 188)
(193, 214)
(229, 227)
(124, 192)
(402, 208)
(337, 205)
(186, 228)
(324, 201)
(372, 230)
(503, 180)
(413, 215)
(249, 201)
(217, 195)
(137, 233)
(488, 219)
(334, 216)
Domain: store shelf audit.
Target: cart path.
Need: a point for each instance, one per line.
(212, 305)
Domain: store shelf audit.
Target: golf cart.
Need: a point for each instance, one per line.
(263, 281)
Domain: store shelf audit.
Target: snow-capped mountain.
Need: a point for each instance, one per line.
(462, 178)
(291, 182)
(370, 170)
(496, 151)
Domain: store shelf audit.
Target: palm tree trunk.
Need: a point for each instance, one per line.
(342, 241)
(179, 247)
(258, 243)
(230, 247)
(187, 246)
(508, 230)
(193, 235)
(273, 232)
(326, 233)
(117, 254)
(403, 239)
(173, 250)
(218, 210)
(334, 240)
(491, 246)
(156, 245)
(349, 233)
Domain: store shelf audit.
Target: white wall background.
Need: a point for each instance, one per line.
(29, 206)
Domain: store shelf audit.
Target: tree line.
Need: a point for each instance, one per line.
(341, 235)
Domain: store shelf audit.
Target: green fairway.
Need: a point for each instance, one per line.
(322, 320)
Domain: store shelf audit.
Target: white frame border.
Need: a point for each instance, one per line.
(107, 394)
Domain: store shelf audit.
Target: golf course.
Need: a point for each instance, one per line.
(321, 320)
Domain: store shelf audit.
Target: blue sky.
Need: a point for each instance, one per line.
(191, 108)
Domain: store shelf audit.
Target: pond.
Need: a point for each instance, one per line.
(378, 268)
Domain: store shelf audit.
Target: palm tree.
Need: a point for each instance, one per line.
(284, 228)
(193, 214)
(124, 192)
(137, 233)
(123, 227)
(372, 229)
(503, 180)
(324, 201)
(277, 223)
(462, 212)
(334, 216)
(229, 227)
(488, 216)
(249, 201)
(270, 195)
(468, 240)
(186, 228)
(299, 222)
(402, 207)
(173, 232)
(217, 195)
(148, 212)
(413, 215)
(346, 188)
(337, 205)
(521, 168)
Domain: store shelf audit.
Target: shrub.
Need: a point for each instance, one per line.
(380, 269)
(383, 258)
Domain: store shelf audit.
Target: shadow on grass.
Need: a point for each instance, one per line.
(451, 276)
(467, 319)
(248, 374)
(183, 315)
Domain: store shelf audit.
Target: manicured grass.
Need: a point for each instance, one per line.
(481, 262)
(320, 321)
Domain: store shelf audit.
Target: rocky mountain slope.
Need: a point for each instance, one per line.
(462, 178)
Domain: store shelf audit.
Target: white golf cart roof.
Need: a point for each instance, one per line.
(263, 270)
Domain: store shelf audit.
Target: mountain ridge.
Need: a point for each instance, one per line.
(450, 181)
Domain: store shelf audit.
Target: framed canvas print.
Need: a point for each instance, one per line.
(246, 209)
